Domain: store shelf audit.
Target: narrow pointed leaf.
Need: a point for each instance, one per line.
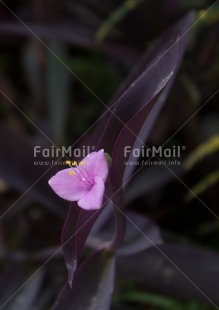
(76, 229)
(131, 106)
(145, 87)
(137, 88)
(208, 181)
(116, 16)
(144, 129)
(93, 285)
(205, 149)
(137, 130)
(74, 235)
(140, 98)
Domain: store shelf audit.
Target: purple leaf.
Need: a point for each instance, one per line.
(137, 228)
(177, 270)
(93, 285)
(14, 294)
(132, 106)
(182, 28)
(18, 169)
(151, 87)
(137, 95)
(75, 36)
(149, 179)
(141, 125)
(76, 229)
(74, 235)
(140, 98)
(59, 32)
(120, 221)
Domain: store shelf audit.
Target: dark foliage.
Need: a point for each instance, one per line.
(60, 62)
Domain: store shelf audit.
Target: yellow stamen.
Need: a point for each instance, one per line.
(74, 163)
(71, 173)
(68, 162)
(81, 163)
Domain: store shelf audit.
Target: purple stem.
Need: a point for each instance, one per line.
(120, 219)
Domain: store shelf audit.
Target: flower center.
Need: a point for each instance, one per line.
(88, 183)
(82, 174)
(87, 180)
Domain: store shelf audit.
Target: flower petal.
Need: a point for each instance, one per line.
(68, 186)
(96, 164)
(93, 200)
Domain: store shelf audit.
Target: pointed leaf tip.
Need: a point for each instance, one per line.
(93, 279)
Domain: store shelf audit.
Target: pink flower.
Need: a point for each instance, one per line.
(85, 183)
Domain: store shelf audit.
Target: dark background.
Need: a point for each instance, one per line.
(46, 49)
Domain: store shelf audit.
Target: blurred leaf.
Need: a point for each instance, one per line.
(209, 16)
(149, 179)
(31, 65)
(138, 228)
(15, 294)
(86, 14)
(74, 36)
(161, 302)
(209, 227)
(209, 180)
(139, 232)
(192, 4)
(59, 31)
(101, 76)
(58, 91)
(10, 281)
(93, 285)
(175, 270)
(18, 169)
(202, 151)
(191, 89)
(115, 17)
